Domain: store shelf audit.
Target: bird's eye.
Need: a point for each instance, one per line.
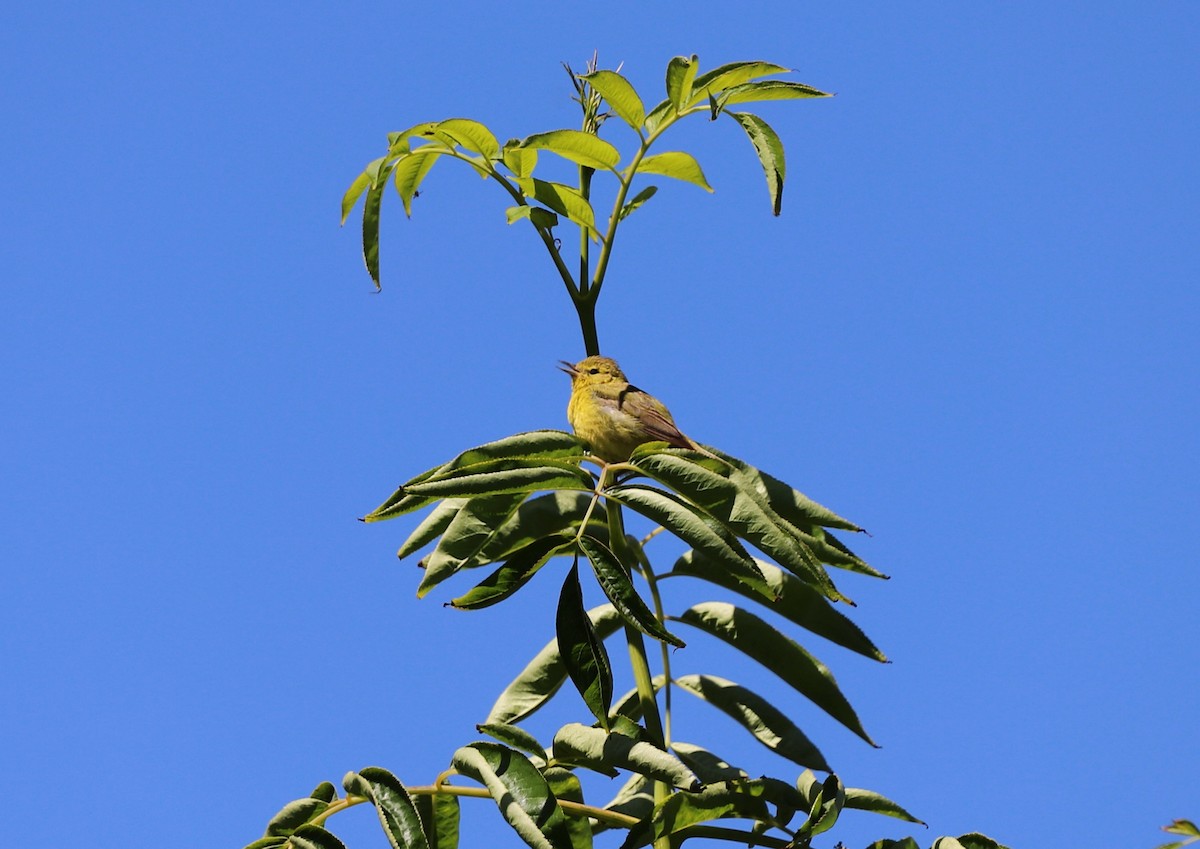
(593, 371)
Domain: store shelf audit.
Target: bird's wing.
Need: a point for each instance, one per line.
(654, 417)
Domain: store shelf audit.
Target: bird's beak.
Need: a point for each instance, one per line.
(567, 367)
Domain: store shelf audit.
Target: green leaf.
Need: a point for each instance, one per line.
(758, 716)
(577, 146)
(786, 658)
(713, 486)
(769, 90)
(566, 787)
(635, 798)
(615, 582)
(432, 526)
(514, 574)
(709, 767)
(769, 148)
(410, 170)
(677, 164)
(620, 95)
(516, 737)
(681, 72)
(325, 791)
(638, 199)
(975, 840)
(360, 184)
(694, 527)
(471, 135)
(520, 791)
(400, 143)
(868, 800)
(545, 444)
(520, 160)
(549, 475)
(904, 843)
(789, 503)
(370, 225)
(440, 814)
(786, 595)
(733, 74)
(466, 534)
(563, 199)
(267, 843)
(826, 808)
(397, 813)
(539, 517)
(293, 815)
(545, 673)
(596, 749)
(313, 837)
(683, 810)
(582, 649)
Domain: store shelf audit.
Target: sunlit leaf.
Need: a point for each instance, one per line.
(769, 90)
(313, 837)
(520, 791)
(786, 658)
(440, 814)
(550, 475)
(676, 164)
(638, 199)
(520, 160)
(563, 199)
(681, 72)
(545, 673)
(360, 184)
(537, 518)
(516, 737)
(472, 135)
(370, 225)
(577, 146)
(868, 800)
(711, 768)
(732, 74)
(410, 171)
(620, 95)
(293, 815)
(758, 716)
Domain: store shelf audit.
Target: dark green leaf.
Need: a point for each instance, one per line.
(709, 767)
(769, 148)
(267, 843)
(440, 814)
(977, 841)
(542, 676)
(577, 146)
(537, 518)
(868, 800)
(683, 810)
(582, 649)
(790, 503)
(596, 749)
(520, 791)
(514, 574)
(325, 791)
(638, 199)
(826, 808)
(397, 814)
(681, 72)
(432, 526)
(758, 716)
(566, 787)
(696, 528)
(903, 843)
(787, 659)
(615, 582)
(620, 95)
(676, 164)
(549, 475)
(466, 534)
(788, 596)
(293, 815)
(711, 485)
(370, 224)
(314, 837)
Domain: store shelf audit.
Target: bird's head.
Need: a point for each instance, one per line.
(594, 371)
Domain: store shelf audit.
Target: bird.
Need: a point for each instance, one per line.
(612, 415)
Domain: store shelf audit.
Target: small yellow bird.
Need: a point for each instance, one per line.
(614, 417)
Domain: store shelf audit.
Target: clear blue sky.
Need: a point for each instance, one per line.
(973, 330)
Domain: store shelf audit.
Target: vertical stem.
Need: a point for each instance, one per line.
(638, 658)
